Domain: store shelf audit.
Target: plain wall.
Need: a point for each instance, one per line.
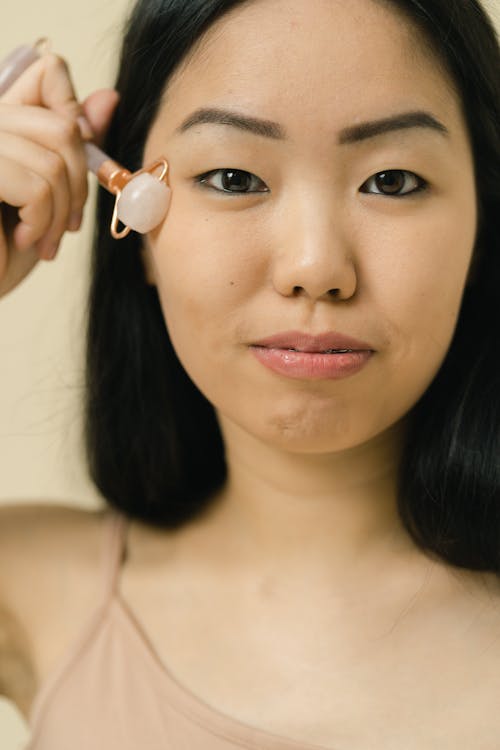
(41, 322)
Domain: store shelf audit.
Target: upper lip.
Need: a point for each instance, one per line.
(305, 342)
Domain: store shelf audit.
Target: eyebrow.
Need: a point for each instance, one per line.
(353, 134)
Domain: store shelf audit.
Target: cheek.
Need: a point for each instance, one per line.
(419, 296)
(207, 262)
(206, 270)
(438, 261)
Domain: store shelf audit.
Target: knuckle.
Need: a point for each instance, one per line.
(67, 130)
(54, 165)
(42, 191)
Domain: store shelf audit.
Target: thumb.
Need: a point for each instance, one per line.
(98, 109)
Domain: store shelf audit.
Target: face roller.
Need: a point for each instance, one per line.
(142, 199)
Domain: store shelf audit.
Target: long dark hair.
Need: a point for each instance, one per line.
(153, 443)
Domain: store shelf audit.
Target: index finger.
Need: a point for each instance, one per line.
(46, 83)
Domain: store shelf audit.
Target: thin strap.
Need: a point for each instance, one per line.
(114, 551)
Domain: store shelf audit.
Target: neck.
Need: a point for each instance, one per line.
(330, 512)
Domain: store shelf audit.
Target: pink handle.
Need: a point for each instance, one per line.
(15, 64)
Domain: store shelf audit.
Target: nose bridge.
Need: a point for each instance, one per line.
(315, 256)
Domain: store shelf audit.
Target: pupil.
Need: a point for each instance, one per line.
(237, 184)
(392, 180)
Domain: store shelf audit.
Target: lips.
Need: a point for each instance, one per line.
(304, 342)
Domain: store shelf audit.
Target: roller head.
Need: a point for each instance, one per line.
(144, 203)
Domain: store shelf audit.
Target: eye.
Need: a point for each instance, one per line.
(391, 183)
(235, 181)
(238, 182)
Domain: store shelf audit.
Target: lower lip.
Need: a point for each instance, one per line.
(311, 364)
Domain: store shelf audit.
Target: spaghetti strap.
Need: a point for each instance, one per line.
(111, 690)
(115, 550)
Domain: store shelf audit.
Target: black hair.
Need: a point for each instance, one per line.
(153, 444)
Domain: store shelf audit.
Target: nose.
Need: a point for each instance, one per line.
(313, 255)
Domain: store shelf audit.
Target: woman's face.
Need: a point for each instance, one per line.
(305, 214)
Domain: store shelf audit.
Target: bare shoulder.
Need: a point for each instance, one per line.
(35, 538)
(47, 551)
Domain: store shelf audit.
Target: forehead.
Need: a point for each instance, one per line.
(330, 59)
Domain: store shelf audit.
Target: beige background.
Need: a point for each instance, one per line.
(41, 322)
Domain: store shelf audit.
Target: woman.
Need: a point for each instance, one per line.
(312, 540)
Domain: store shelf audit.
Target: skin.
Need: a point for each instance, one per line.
(312, 464)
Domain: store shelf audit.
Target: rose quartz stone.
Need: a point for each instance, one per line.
(144, 203)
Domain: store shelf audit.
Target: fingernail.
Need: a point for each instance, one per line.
(85, 129)
(75, 221)
(51, 252)
(23, 237)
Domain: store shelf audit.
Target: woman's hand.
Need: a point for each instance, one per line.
(43, 170)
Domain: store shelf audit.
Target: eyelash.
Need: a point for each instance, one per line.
(202, 180)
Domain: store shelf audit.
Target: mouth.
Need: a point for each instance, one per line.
(316, 364)
(324, 351)
(328, 342)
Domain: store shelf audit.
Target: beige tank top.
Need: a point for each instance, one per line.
(112, 692)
